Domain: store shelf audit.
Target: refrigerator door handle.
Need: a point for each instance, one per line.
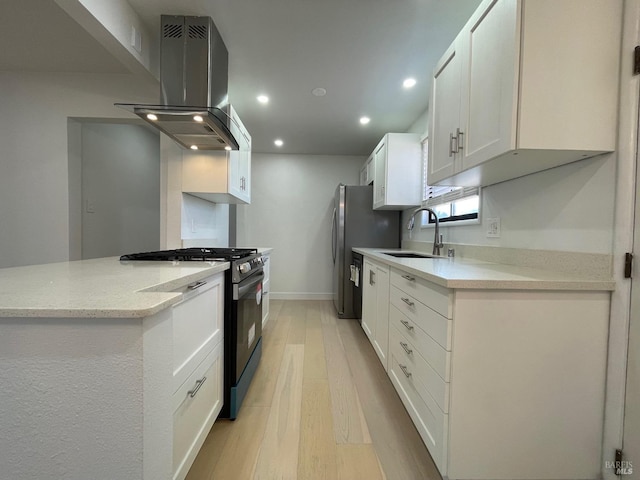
(334, 240)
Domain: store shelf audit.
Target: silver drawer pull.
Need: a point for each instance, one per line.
(406, 324)
(409, 277)
(196, 285)
(406, 348)
(192, 393)
(406, 372)
(407, 301)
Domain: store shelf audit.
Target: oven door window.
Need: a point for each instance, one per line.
(249, 308)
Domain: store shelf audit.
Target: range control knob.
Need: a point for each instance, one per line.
(245, 267)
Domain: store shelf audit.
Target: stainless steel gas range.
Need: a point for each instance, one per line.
(242, 313)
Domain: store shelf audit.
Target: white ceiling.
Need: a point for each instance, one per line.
(358, 50)
(38, 36)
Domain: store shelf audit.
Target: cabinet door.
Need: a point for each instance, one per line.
(371, 169)
(245, 167)
(381, 341)
(240, 160)
(445, 117)
(489, 82)
(380, 179)
(363, 175)
(369, 300)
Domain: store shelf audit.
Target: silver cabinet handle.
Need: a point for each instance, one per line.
(459, 135)
(192, 393)
(406, 324)
(372, 277)
(406, 348)
(451, 150)
(409, 277)
(407, 301)
(406, 372)
(195, 286)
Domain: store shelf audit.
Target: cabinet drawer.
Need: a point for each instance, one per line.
(424, 379)
(430, 421)
(434, 296)
(434, 324)
(437, 357)
(196, 405)
(197, 326)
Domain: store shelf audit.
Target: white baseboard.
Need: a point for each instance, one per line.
(300, 296)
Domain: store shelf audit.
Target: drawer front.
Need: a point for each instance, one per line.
(197, 326)
(434, 296)
(196, 406)
(429, 349)
(430, 421)
(417, 371)
(434, 324)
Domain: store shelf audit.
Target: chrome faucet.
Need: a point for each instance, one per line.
(437, 238)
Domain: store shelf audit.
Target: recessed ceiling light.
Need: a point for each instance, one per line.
(263, 99)
(409, 82)
(194, 147)
(227, 148)
(319, 92)
(151, 116)
(364, 120)
(278, 142)
(198, 118)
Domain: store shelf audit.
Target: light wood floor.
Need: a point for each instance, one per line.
(320, 407)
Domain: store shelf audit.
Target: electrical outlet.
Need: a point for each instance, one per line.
(90, 206)
(493, 227)
(136, 39)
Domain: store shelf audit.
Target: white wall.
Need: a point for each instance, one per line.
(291, 208)
(568, 208)
(120, 189)
(34, 186)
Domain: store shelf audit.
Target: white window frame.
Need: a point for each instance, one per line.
(436, 195)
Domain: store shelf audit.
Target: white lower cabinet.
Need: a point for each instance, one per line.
(197, 368)
(196, 405)
(375, 307)
(499, 383)
(266, 288)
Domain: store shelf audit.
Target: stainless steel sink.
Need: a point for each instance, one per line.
(407, 255)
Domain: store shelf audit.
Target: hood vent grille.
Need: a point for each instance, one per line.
(173, 31)
(193, 80)
(198, 32)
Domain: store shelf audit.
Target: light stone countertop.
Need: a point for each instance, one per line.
(98, 288)
(469, 273)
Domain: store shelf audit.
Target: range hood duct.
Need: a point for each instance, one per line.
(194, 71)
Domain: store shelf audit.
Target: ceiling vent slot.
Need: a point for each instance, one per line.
(173, 31)
(198, 32)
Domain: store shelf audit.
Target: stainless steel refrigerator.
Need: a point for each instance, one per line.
(356, 224)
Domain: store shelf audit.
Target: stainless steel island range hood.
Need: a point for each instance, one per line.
(194, 65)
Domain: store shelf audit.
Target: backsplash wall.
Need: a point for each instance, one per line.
(567, 208)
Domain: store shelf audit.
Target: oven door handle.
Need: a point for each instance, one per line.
(240, 290)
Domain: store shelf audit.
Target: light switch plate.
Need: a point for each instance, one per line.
(493, 227)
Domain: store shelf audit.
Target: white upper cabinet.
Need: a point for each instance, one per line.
(445, 108)
(397, 179)
(221, 177)
(367, 171)
(240, 161)
(527, 85)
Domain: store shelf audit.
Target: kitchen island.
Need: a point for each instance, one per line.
(109, 369)
(502, 368)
